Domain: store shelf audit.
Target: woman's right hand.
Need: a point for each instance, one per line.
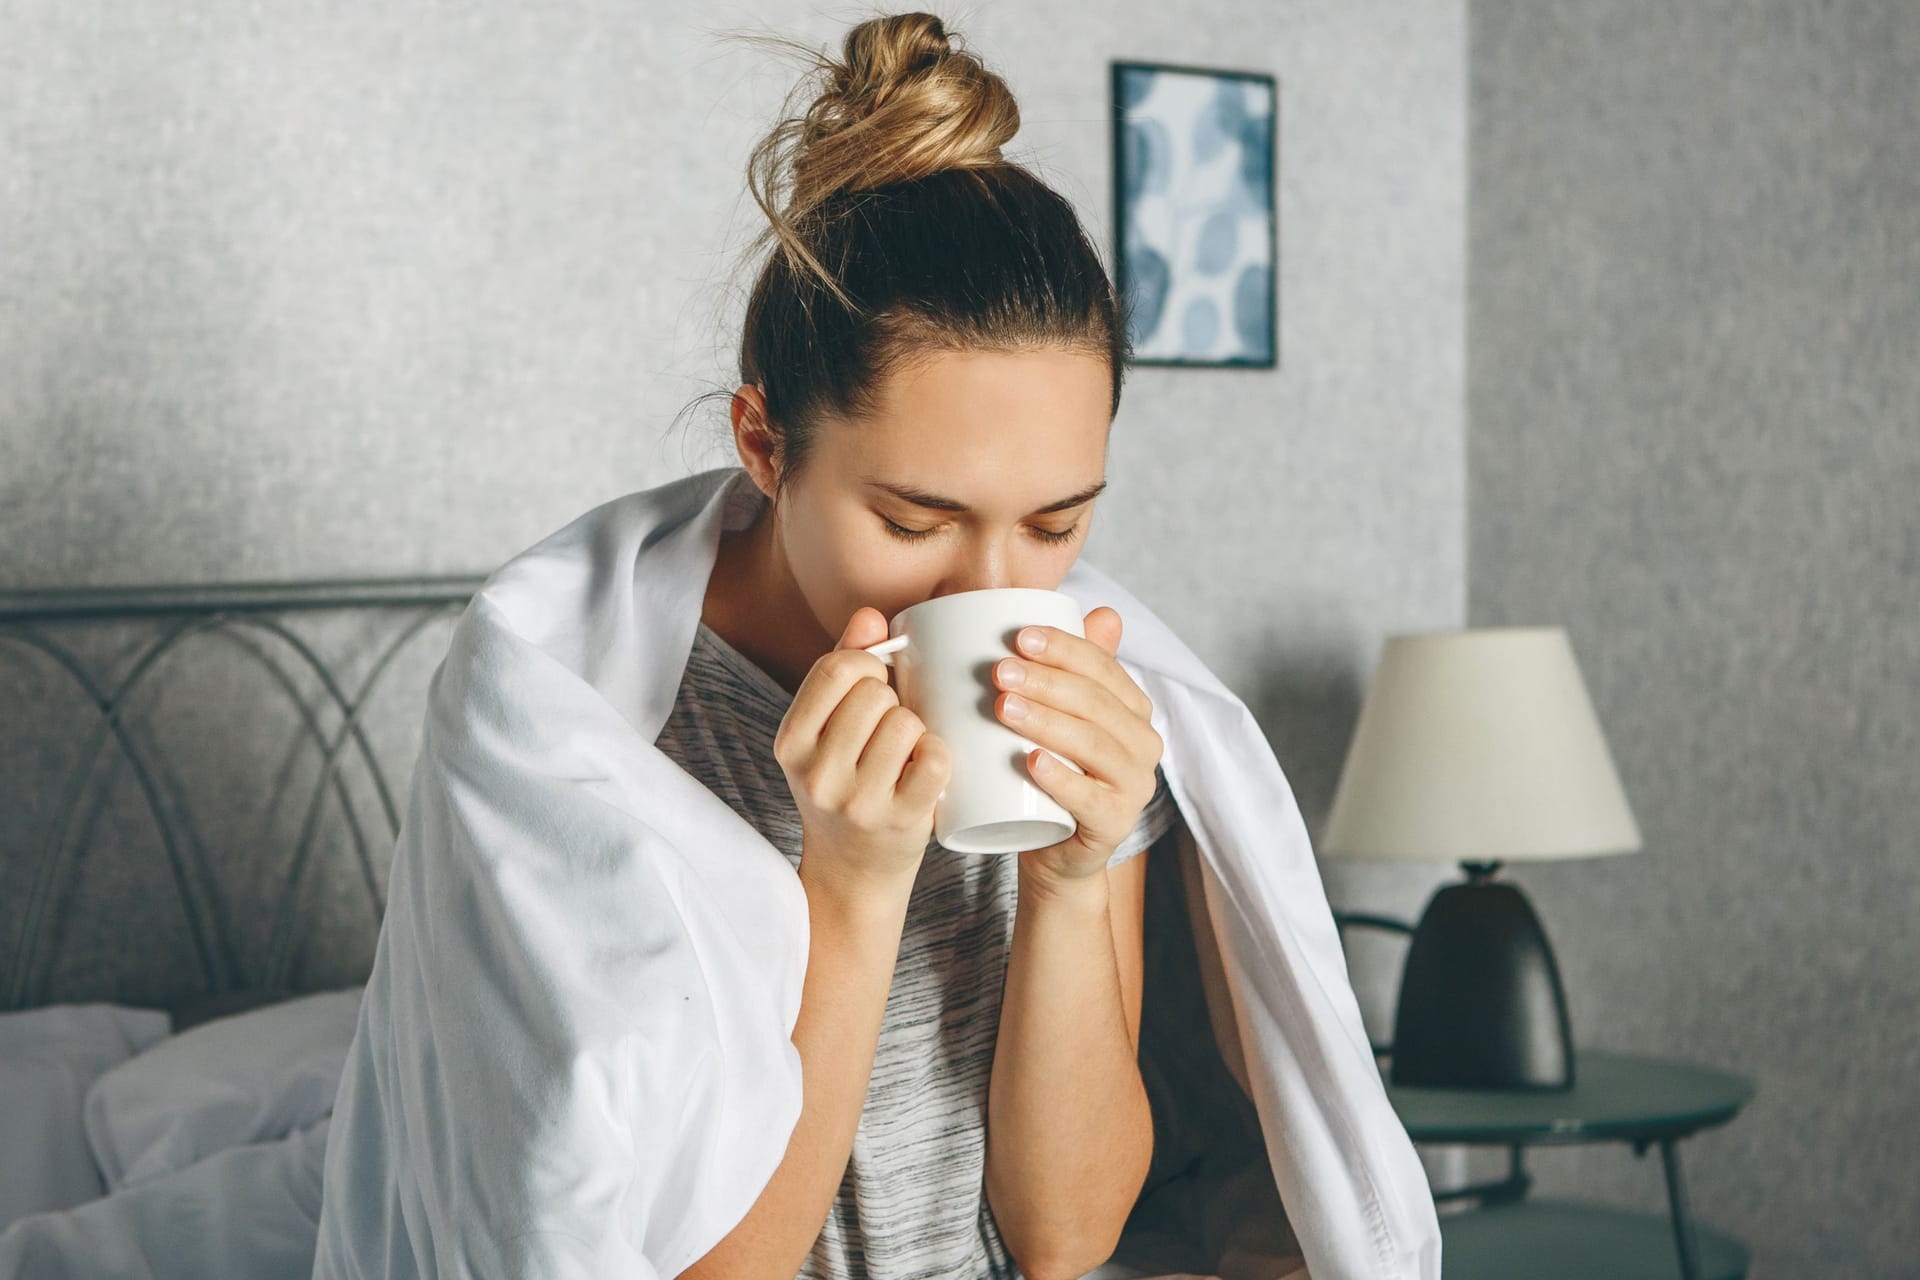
(863, 769)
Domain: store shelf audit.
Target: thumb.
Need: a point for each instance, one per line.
(867, 626)
(1102, 626)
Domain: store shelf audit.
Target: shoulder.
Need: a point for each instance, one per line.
(585, 561)
(613, 595)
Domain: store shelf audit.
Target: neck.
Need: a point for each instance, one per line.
(755, 605)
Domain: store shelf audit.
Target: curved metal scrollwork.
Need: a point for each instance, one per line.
(230, 611)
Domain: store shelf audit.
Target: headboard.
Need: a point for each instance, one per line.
(200, 785)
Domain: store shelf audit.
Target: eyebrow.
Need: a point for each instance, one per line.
(921, 498)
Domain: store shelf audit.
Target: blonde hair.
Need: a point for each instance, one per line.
(901, 104)
(898, 228)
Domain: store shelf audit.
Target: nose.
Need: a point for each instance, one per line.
(983, 564)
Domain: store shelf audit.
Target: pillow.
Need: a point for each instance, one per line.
(49, 1058)
(248, 1078)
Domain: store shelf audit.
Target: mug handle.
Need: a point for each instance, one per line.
(886, 648)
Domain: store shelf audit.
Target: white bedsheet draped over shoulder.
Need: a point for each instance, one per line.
(573, 1055)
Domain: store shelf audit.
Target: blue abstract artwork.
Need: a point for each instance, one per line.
(1194, 213)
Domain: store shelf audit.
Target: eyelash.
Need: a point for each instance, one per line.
(1045, 535)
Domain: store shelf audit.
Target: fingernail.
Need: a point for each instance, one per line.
(1016, 708)
(1012, 674)
(1032, 640)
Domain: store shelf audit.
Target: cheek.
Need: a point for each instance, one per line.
(843, 564)
(888, 574)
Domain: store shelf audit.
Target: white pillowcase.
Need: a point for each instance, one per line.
(251, 1077)
(49, 1058)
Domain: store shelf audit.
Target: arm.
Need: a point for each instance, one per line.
(1070, 1134)
(854, 946)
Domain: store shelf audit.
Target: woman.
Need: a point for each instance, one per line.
(954, 439)
(604, 1036)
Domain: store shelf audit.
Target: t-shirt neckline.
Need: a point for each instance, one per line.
(744, 666)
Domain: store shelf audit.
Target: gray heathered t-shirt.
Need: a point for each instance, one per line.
(913, 1200)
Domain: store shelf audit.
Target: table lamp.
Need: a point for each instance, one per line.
(1479, 746)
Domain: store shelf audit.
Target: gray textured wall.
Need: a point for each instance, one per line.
(321, 289)
(1694, 318)
(331, 289)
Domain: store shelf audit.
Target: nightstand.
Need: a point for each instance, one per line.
(1616, 1097)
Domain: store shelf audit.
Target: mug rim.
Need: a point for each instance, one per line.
(975, 591)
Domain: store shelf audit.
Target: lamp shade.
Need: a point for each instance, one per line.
(1479, 745)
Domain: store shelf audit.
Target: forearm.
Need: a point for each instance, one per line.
(855, 943)
(1069, 1132)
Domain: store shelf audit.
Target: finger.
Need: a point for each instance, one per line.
(1102, 626)
(867, 626)
(851, 725)
(1097, 810)
(1069, 652)
(829, 679)
(1089, 744)
(888, 746)
(1071, 693)
(926, 774)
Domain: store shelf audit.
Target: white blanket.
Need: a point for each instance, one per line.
(573, 1056)
(246, 1213)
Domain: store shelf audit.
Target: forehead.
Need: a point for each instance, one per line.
(976, 413)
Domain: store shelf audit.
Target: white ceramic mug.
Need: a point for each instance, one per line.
(943, 651)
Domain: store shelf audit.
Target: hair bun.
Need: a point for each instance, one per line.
(877, 54)
(900, 104)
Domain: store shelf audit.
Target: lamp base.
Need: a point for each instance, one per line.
(1481, 1006)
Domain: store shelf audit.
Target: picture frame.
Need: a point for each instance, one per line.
(1195, 213)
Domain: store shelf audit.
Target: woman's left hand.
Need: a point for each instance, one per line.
(1082, 704)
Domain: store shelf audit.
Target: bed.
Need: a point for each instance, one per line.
(199, 791)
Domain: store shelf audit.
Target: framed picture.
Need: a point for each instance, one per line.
(1197, 238)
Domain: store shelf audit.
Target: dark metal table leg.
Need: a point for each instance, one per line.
(1509, 1189)
(1683, 1237)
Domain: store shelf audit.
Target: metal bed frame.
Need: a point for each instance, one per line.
(247, 614)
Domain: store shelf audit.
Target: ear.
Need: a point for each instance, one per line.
(1103, 628)
(753, 439)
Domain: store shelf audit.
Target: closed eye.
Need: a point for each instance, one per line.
(1048, 536)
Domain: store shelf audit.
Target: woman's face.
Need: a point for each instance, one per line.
(1015, 442)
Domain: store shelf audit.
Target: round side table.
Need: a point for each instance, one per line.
(1616, 1097)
